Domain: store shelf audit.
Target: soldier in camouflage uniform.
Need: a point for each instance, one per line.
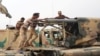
(18, 26)
(32, 22)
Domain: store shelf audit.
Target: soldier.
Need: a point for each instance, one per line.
(18, 26)
(61, 16)
(23, 32)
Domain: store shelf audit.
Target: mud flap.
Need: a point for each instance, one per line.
(44, 53)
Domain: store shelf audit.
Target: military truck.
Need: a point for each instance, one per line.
(73, 36)
(68, 38)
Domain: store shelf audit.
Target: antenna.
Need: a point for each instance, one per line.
(52, 4)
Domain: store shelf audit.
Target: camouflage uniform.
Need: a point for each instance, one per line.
(18, 26)
(23, 32)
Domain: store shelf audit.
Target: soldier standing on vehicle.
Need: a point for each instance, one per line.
(23, 32)
(61, 16)
(17, 28)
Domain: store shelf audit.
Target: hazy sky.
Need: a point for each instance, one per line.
(48, 8)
